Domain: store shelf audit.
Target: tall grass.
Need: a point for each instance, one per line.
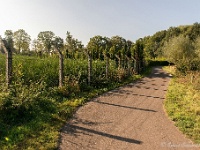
(34, 109)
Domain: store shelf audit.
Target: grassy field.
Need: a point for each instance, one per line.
(183, 103)
(34, 110)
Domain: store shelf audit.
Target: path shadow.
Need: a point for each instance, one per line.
(149, 96)
(121, 92)
(135, 108)
(157, 73)
(140, 84)
(73, 129)
(77, 120)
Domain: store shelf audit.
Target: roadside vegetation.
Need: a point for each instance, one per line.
(183, 103)
(183, 96)
(48, 82)
(35, 109)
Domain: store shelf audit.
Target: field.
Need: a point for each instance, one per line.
(34, 110)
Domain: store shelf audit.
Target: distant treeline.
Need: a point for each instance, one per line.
(117, 48)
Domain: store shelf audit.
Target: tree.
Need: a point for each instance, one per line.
(95, 47)
(153, 44)
(21, 41)
(180, 51)
(172, 32)
(8, 36)
(73, 46)
(151, 48)
(93, 51)
(106, 45)
(45, 40)
(137, 53)
(34, 45)
(194, 31)
(118, 49)
(37, 47)
(99, 48)
(197, 52)
(128, 59)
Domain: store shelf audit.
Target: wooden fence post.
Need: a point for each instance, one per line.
(119, 61)
(107, 67)
(61, 68)
(128, 62)
(106, 59)
(8, 50)
(89, 69)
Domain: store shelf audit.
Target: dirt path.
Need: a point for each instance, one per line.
(128, 118)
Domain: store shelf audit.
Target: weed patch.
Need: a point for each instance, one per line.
(182, 105)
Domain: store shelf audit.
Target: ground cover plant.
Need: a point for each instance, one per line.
(34, 109)
(183, 103)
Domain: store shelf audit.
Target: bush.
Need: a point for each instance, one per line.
(181, 51)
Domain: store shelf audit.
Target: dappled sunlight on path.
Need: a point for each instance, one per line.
(130, 117)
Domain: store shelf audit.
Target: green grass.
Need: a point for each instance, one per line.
(40, 129)
(183, 106)
(34, 110)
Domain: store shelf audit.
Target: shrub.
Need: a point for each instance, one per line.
(180, 51)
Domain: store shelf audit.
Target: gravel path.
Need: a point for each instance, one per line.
(128, 118)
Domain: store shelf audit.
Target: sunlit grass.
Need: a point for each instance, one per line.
(183, 106)
(32, 116)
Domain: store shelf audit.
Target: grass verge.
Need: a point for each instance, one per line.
(183, 105)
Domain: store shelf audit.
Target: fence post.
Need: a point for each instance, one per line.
(106, 58)
(128, 62)
(61, 68)
(8, 50)
(119, 61)
(89, 69)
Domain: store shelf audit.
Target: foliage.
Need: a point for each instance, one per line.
(24, 111)
(21, 41)
(95, 47)
(118, 48)
(180, 51)
(34, 109)
(74, 47)
(153, 44)
(183, 106)
(45, 39)
(8, 41)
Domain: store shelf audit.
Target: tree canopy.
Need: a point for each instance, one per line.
(21, 41)
(174, 44)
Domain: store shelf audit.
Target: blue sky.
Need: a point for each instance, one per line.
(131, 19)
